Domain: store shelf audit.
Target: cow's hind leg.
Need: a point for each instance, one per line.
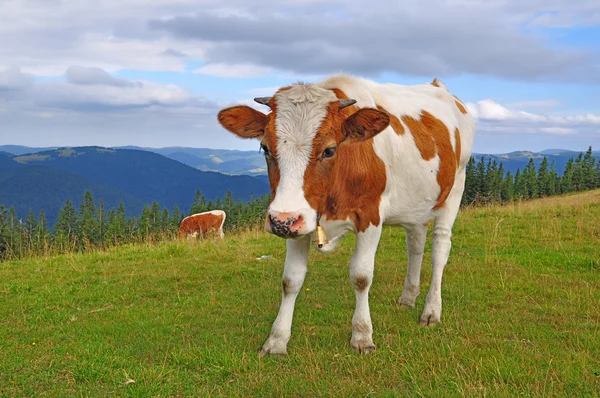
(293, 277)
(415, 244)
(441, 244)
(361, 276)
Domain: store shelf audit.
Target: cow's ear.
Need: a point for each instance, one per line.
(243, 121)
(364, 124)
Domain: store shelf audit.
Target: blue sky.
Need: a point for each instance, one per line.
(156, 72)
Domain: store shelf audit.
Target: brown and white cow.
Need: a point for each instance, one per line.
(354, 155)
(201, 223)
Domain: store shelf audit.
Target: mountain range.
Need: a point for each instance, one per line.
(234, 162)
(45, 179)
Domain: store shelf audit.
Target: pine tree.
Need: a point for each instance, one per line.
(199, 204)
(42, 234)
(553, 182)
(508, 188)
(588, 170)
(67, 226)
(567, 179)
(89, 223)
(470, 183)
(155, 218)
(530, 176)
(145, 223)
(597, 175)
(30, 225)
(520, 191)
(164, 222)
(543, 178)
(481, 186)
(578, 178)
(102, 223)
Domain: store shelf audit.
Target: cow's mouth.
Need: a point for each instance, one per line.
(286, 229)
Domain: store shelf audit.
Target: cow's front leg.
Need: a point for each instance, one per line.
(361, 275)
(296, 260)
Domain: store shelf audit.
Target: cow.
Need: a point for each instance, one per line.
(348, 154)
(201, 223)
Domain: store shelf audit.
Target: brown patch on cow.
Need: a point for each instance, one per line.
(433, 138)
(350, 184)
(422, 134)
(436, 82)
(394, 121)
(360, 282)
(457, 145)
(460, 107)
(286, 285)
(200, 223)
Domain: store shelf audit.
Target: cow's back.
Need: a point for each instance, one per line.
(200, 223)
(425, 149)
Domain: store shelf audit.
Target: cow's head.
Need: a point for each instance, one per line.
(303, 138)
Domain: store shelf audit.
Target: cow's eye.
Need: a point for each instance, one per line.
(265, 150)
(328, 152)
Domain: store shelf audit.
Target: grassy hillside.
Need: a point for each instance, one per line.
(521, 316)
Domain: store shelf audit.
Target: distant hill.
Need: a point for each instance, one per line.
(6, 162)
(43, 188)
(22, 150)
(225, 161)
(138, 176)
(252, 163)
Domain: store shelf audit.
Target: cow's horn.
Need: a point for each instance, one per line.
(263, 100)
(346, 102)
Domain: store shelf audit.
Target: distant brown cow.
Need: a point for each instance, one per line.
(202, 223)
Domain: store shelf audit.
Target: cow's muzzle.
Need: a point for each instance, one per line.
(286, 225)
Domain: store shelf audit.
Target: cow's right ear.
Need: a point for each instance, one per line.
(243, 121)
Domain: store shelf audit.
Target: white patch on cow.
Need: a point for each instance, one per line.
(300, 112)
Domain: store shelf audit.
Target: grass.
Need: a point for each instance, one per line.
(521, 316)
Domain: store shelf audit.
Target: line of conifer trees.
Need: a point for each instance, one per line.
(488, 183)
(93, 227)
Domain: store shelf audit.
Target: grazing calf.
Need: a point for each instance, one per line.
(349, 154)
(202, 223)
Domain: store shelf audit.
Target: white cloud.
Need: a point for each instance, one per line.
(237, 38)
(551, 103)
(237, 70)
(556, 130)
(494, 117)
(100, 112)
(13, 79)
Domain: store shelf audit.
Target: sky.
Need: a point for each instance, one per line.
(155, 73)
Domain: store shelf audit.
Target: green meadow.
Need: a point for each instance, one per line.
(521, 316)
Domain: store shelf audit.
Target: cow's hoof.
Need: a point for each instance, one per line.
(363, 346)
(273, 347)
(407, 301)
(429, 320)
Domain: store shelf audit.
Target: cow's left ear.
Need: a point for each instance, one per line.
(364, 124)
